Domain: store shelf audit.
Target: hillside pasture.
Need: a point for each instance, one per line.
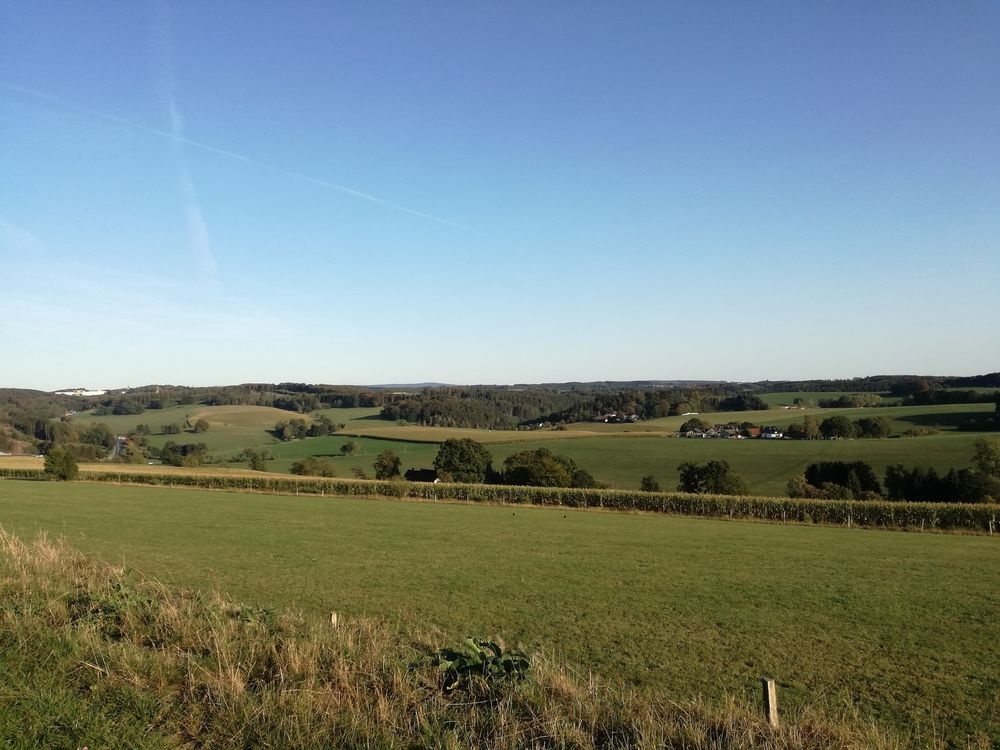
(899, 627)
(900, 418)
(412, 455)
(812, 398)
(421, 434)
(767, 465)
(616, 454)
(231, 428)
(358, 416)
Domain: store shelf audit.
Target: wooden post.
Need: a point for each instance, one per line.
(770, 701)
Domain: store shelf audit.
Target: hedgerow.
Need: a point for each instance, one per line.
(864, 513)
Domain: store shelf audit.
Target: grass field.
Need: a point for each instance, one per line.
(616, 454)
(900, 625)
(102, 657)
(766, 465)
(812, 398)
(622, 460)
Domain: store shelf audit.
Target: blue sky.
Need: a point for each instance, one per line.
(204, 193)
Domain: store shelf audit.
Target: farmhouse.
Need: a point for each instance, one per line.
(730, 431)
(421, 475)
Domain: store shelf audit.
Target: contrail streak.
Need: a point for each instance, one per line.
(108, 117)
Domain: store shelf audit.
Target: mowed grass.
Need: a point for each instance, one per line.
(902, 626)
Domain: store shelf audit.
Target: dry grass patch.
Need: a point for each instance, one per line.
(22, 462)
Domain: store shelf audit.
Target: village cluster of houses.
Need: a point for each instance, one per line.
(734, 432)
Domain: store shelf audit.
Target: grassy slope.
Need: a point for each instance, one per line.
(812, 398)
(766, 465)
(902, 625)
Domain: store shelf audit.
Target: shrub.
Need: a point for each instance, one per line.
(485, 660)
(60, 463)
(311, 466)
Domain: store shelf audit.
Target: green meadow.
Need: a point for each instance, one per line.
(616, 454)
(766, 465)
(812, 398)
(900, 626)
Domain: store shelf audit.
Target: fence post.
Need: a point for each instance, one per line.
(770, 701)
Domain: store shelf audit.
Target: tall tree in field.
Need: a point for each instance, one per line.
(60, 463)
(464, 460)
(387, 465)
(873, 427)
(837, 427)
(543, 468)
(986, 457)
(714, 477)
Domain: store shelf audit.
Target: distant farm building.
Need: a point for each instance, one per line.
(421, 475)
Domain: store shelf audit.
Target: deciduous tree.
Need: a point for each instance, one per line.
(464, 460)
(837, 427)
(986, 457)
(714, 477)
(387, 465)
(60, 463)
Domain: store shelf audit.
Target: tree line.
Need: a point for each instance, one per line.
(501, 407)
(857, 480)
(838, 426)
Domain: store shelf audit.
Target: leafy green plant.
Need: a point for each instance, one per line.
(60, 463)
(475, 658)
